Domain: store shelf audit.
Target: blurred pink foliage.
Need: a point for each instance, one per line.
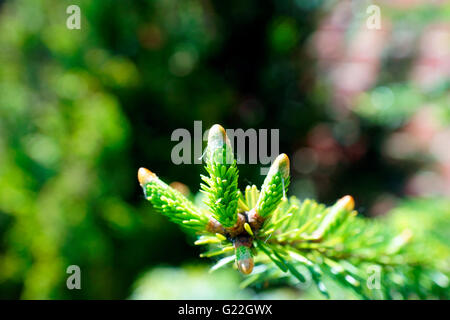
(350, 59)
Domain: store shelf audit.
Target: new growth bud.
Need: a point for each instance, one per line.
(274, 187)
(217, 137)
(222, 184)
(347, 203)
(170, 202)
(335, 217)
(244, 257)
(280, 165)
(145, 176)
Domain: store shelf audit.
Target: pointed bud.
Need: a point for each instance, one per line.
(274, 187)
(217, 137)
(244, 259)
(281, 164)
(145, 176)
(336, 215)
(246, 265)
(347, 203)
(222, 185)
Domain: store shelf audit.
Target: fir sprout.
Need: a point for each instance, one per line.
(274, 187)
(222, 184)
(170, 202)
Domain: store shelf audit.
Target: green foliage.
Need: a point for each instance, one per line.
(171, 202)
(222, 183)
(350, 250)
(274, 186)
(194, 282)
(293, 241)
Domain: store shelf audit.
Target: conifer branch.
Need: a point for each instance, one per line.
(291, 241)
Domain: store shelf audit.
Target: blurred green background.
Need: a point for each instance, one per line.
(360, 111)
